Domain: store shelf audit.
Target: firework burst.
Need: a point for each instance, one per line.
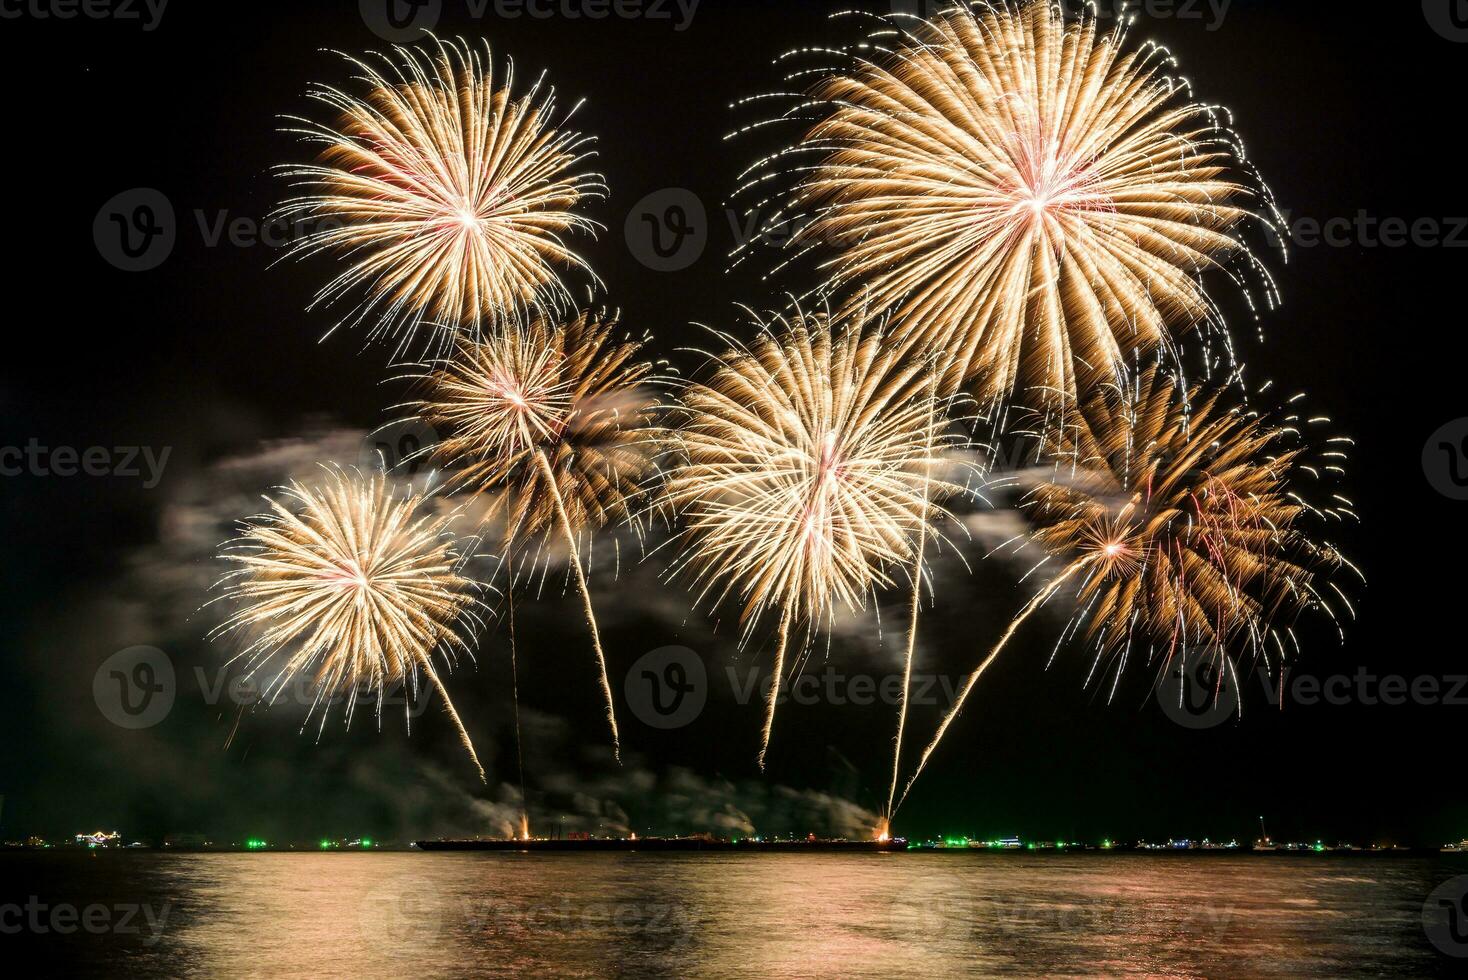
(450, 197)
(554, 422)
(1018, 189)
(810, 465)
(1183, 525)
(351, 587)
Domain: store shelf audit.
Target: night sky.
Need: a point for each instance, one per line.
(213, 355)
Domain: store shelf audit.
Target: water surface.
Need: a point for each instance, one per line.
(724, 915)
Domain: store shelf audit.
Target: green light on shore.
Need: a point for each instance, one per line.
(366, 842)
(325, 844)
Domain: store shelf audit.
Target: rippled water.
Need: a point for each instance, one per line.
(776, 915)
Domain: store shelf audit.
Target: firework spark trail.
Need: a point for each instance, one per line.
(1015, 188)
(1039, 600)
(585, 590)
(450, 197)
(519, 739)
(777, 673)
(804, 474)
(354, 587)
(552, 420)
(912, 626)
(1189, 521)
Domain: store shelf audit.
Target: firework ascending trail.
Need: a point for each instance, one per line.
(354, 587)
(554, 420)
(1019, 190)
(912, 621)
(1184, 527)
(450, 196)
(806, 472)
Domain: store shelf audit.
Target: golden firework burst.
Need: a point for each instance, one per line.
(1020, 190)
(809, 466)
(350, 587)
(1184, 523)
(555, 422)
(450, 197)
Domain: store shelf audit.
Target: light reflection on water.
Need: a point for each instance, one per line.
(453, 915)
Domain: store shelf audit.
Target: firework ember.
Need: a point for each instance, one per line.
(811, 465)
(1020, 189)
(350, 586)
(450, 197)
(1184, 526)
(552, 420)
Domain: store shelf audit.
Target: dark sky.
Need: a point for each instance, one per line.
(213, 356)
